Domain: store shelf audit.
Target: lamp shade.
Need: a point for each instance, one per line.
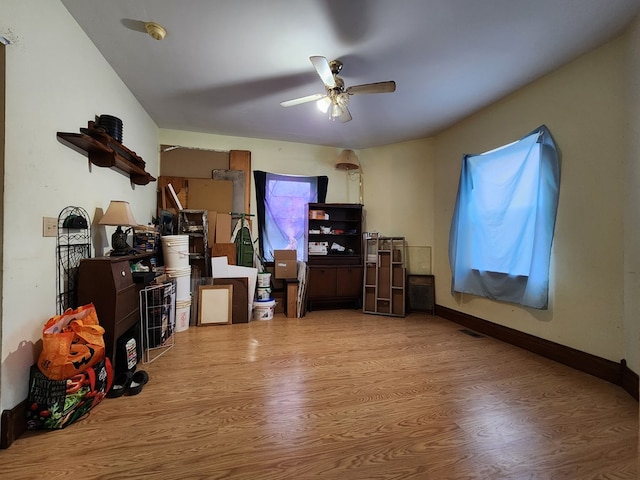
(119, 213)
(347, 160)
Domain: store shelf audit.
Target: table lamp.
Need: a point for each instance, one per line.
(118, 215)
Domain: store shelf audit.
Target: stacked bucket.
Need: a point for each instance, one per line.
(175, 250)
(264, 305)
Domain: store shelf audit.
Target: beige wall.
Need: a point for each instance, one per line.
(397, 179)
(56, 80)
(410, 189)
(631, 323)
(583, 104)
(631, 318)
(399, 190)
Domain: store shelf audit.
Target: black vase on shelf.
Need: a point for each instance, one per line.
(112, 125)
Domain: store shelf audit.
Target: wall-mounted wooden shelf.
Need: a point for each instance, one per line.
(104, 151)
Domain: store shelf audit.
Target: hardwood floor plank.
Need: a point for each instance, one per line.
(343, 395)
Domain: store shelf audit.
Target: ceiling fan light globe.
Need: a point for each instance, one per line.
(336, 111)
(323, 104)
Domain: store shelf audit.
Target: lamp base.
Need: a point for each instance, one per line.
(119, 253)
(119, 243)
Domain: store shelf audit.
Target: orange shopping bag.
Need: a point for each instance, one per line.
(71, 343)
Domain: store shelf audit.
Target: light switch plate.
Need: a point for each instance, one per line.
(49, 227)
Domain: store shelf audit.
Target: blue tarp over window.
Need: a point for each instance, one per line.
(503, 222)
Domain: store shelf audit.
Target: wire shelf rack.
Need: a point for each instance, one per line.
(158, 320)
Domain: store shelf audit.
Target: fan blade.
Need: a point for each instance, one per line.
(380, 87)
(324, 71)
(298, 101)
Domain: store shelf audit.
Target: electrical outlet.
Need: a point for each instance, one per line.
(49, 227)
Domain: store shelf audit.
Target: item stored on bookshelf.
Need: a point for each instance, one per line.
(318, 215)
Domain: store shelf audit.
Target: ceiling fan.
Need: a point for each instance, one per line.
(336, 98)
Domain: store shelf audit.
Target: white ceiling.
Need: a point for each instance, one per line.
(225, 65)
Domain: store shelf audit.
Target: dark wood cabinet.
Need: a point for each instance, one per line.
(334, 255)
(349, 282)
(322, 282)
(108, 283)
(332, 286)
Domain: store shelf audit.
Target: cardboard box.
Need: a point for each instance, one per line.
(316, 214)
(398, 275)
(223, 227)
(384, 283)
(212, 219)
(205, 194)
(286, 263)
(384, 259)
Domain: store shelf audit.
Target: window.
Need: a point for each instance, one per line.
(282, 211)
(503, 222)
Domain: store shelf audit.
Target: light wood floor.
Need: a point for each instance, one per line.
(342, 395)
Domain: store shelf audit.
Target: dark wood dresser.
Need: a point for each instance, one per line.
(108, 283)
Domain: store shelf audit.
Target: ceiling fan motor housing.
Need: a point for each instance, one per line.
(335, 66)
(339, 84)
(342, 99)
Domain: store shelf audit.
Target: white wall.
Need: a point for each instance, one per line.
(583, 104)
(56, 80)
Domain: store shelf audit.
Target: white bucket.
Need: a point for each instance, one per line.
(182, 277)
(264, 310)
(175, 250)
(183, 314)
(264, 280)
(263, 294)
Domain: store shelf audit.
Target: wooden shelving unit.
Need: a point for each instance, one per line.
(335, 275)
(385, 276)
(104, 151)
(195, 224)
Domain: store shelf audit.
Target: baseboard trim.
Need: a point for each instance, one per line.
(629, 379)
(13, 424)
(616, 373)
